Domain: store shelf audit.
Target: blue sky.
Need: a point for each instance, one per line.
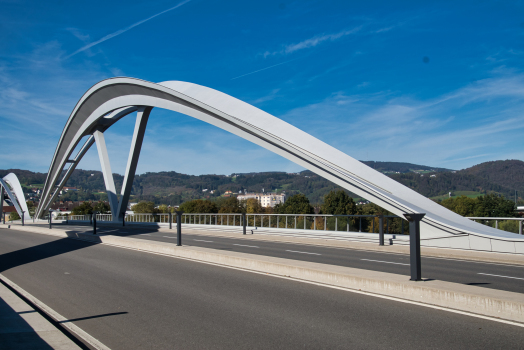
(432, 83)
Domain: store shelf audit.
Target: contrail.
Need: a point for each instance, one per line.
(118, 32)
(260, 70)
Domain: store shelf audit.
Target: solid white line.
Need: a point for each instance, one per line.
(168, 237)
(489, 318)
(488, 274)
(56, 316)
(385, 262)
(201, 240)
(243, 245)
(296, 251)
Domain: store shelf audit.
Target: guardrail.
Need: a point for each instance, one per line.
(321, 222)
(511, 226)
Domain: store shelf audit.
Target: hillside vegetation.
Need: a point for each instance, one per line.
(172, 188)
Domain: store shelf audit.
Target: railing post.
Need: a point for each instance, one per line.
(23, 214)
(50, 218)
(336, 223)
(381, 229)
(520, 227)
(94, 223)
(325, 223)
(179, 227)
(123, 219)
(496, 224)
(4, 216)
(360, 224)
(244, 223)
(170, 220)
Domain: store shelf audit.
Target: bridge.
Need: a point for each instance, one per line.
(110, 100)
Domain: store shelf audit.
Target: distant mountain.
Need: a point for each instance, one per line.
(395, 167)
(174, 188)
(506, 173)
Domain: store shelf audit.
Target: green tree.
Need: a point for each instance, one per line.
(338, 203)
(493, 205)
(297, 204)
(198, 206)
(102, 208)
(144, 207)
(14, 216)
(83, 209)
(462, 205)
(253, 206)
(231, 205)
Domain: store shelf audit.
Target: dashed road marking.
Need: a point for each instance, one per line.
(244, 245)
(488, 274)
(296, 251)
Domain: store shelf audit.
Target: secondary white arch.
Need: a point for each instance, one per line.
(110, 100)
(17, 198)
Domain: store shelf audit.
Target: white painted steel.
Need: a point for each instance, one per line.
(17, 197)
(440, 227)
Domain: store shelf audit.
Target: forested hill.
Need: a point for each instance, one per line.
(173, 188)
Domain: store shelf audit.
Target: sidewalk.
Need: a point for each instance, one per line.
(21, 327)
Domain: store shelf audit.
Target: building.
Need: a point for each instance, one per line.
(265, 199)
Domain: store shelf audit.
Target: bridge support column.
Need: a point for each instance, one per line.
(414, 245)
(179, 227)
(106, 171)
(381, 230)
(134, 153)
(1, 202)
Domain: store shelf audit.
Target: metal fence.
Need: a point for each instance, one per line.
(322, 222)
(506, 224)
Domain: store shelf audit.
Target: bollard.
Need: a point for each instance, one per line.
(381, 230)
(170, 220)
(23, 214)
(94, 222)
(4, 218)
(50, 219)
(414, 245)
(179, 227)
(244, 223)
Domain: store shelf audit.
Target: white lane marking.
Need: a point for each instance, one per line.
(488, 274)
(296, 251)
(168, 237)
(144, 234)
(56, 316)
(385, 262)
(201, 240)
(489, 318)
(243, 245)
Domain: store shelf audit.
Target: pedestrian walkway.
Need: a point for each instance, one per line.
(22, 327)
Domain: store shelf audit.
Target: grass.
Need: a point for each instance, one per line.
(455, 194)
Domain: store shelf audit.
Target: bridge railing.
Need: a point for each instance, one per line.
(313, 222)
(514, 225)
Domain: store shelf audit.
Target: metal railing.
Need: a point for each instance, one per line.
(514, 225)
(313, 222)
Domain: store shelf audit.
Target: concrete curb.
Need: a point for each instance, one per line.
(24, 328)
(472, 299)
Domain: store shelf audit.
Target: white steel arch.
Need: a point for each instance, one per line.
(17, 198)
(109, 100)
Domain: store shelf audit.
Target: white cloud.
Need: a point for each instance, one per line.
(312, 42)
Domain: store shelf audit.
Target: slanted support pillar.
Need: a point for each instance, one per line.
(132, 161)
(106, 171)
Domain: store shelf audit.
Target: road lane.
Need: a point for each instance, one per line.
(451, 270)
(133, 300)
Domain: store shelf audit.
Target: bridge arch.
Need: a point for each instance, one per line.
(13, 189)
(110, 100)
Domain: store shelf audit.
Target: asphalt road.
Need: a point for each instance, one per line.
(134, 300)
(489, 275)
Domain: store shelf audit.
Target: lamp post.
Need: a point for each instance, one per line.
(414, 245)
(50, 218)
